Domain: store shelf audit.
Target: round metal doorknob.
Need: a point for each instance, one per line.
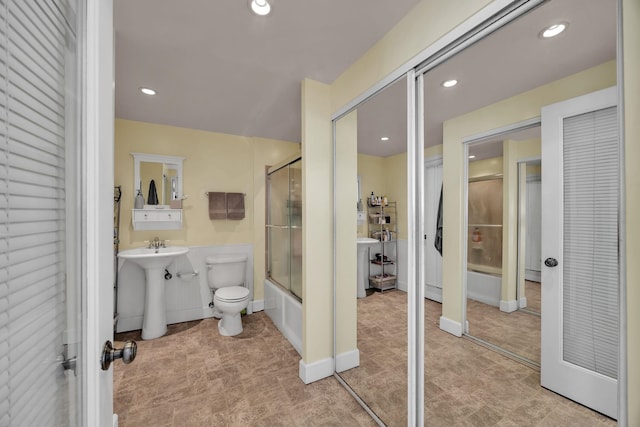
(126, 353)
(551, 262)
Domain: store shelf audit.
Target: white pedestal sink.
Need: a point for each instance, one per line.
(363, 244)
(153, 261)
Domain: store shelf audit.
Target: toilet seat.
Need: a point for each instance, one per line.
(232, 294)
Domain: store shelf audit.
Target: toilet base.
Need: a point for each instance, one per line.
(230, 325)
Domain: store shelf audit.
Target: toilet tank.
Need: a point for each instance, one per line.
(226, 270)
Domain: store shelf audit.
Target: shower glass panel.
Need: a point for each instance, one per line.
(284, 227)
(485, 226)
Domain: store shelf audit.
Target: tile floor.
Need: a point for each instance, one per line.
(518, 332)
(194, 377)
(465, 384)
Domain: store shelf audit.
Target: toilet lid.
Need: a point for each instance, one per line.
(232, 293)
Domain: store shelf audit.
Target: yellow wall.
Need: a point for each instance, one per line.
(631, 70)
(317, 241)
(512, 110)
(213, 162)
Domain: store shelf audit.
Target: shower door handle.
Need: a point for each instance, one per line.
(551, 262)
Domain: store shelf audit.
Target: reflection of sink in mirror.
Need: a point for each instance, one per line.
(363, 244)
(154, 261)
(366, 240)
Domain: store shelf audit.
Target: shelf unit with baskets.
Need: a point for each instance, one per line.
(382, 260)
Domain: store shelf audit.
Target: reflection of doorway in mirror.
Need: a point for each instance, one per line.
(530, 236)
(169, 184)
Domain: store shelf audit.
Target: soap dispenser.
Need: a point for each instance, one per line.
(139, 201)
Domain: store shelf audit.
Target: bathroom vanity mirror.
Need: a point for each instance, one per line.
(164, 173)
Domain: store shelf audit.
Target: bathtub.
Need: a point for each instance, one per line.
(285, 312)
(484, 287)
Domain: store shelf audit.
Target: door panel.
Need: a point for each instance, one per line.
(580, 201)
(433, 259)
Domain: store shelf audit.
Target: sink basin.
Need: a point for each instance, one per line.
(363, 264)
(153, 261)
(153, 258)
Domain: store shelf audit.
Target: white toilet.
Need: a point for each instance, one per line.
(226, 277)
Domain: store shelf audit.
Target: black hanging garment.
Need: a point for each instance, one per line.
(153, 195)
(438, 238)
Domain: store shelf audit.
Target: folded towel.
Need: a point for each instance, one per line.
(217, 205)
(235, 206)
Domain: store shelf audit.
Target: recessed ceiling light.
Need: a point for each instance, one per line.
(147, 91)
(553, 30)
(384, 139)
(450, 83)
(260, 7)
(472, 156)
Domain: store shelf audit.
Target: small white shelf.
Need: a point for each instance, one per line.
(156, 219)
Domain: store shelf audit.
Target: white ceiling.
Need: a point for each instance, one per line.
(510, 61)
(218, 67)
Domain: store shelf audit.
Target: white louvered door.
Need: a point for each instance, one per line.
(580, 205)
(40, 215)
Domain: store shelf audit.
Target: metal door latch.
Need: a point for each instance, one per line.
(126, 353)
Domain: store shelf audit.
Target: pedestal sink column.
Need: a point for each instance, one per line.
(154, 322)
(154, 261)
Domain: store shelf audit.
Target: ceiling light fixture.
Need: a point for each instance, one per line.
(472, 156)
(260, 7)
(450, 83)
(553, 30)
(384, 139)
(147, 91)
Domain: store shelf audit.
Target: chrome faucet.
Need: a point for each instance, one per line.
(156, 243)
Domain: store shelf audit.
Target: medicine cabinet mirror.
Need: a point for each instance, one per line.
(166, 174)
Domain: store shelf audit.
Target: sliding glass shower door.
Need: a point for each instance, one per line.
(284, 226)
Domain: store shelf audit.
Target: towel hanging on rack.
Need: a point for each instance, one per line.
(235, 205)
(217, 205)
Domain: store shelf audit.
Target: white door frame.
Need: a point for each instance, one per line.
(98, 126)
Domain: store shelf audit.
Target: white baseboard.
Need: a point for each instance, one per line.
(433, 293)
(523, 302)
(347, 360)
(508, 306)
(451, 326)
(310, 372)
(257, 305)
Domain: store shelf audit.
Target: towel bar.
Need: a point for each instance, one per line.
(206, 193)
(181, 275)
